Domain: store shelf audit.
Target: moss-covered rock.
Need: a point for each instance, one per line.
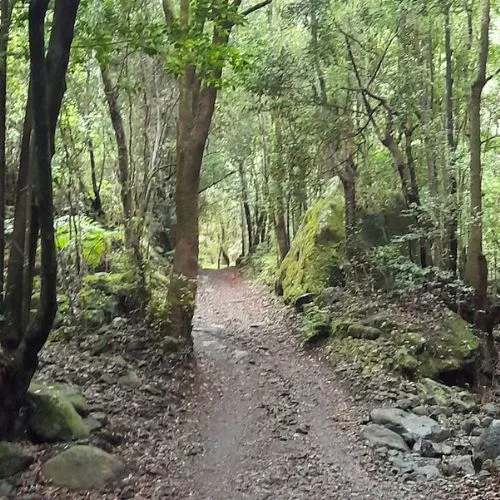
(84, 467)
(53, 416)
(314, 325)
(316, 254)
(452, 347)
(12, 459)
(445, 349)
(106, 295)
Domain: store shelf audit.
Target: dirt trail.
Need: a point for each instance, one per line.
(270, 421)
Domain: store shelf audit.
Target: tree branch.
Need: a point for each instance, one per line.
(255, 7)
(218, 181)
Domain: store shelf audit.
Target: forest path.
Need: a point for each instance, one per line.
(270, 420)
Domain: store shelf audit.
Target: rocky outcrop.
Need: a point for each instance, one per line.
(445, 350)
(84, 467)
(315, 257)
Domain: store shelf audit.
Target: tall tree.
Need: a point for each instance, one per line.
(20, 342)
(476, 270)
(197, 85)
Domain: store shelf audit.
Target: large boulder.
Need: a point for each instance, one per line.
(412, 427)
(377, 435)
(489, 442)
(444, 350)
(84, 467)
(12, 459)
(315, 257)
(53, 416)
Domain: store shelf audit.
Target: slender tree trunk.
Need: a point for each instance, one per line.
(277, 175)
(246, 206)
(451, 180)
(19, 358)
(96, 188)
(121, 142)
(5, 13)
(348, 179)
(476, 268)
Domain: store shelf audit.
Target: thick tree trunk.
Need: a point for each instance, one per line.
(476, 268)
(196, 107)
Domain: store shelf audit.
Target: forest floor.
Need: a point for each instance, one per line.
(262, 419)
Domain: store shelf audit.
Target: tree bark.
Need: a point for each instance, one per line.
(452, 216)
(475, 266)
(196, 107)
(121, 142)
(5, 13)
(246, 206)
(19, 359)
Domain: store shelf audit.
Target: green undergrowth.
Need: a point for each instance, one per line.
(262, 264)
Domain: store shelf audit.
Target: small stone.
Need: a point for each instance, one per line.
(100, 345)
(359, 331)
(488, 465)
(381, 451)
(404, 404)
(130, 380)
(100, 416)
(430, 449)
(436, 411)
(93, 424)
(119, 361)
(470, 424)
(240, 355)
(491, 409)
(461, 465)
(106, 378)
(119, 322)
(421, 411)
(486, 421)
(429, 472)
(409, 425)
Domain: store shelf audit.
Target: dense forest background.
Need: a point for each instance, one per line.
(141, 140)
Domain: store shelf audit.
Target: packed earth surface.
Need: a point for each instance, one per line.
(255, 416)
